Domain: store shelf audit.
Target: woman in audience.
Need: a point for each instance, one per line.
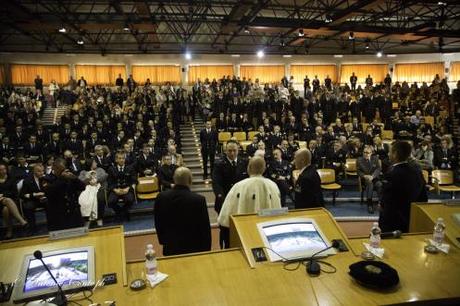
(8, 192)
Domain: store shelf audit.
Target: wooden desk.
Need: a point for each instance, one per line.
(422, 276)
(244, 232)
(424, 216)
(108, 246)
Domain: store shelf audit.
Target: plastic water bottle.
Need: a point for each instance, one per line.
(151, 264)
(374, 239)
(439, 231)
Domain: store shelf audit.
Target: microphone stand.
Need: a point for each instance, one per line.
(60, 299)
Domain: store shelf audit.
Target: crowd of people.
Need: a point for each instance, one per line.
(110, 136)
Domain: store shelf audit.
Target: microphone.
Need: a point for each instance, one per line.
(60, 299)
(313, 267)
(390, 235)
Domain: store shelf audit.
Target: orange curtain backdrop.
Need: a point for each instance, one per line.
(100, 74)
(454, 75)
(2, 74)
(158, 74)
(300, 71)
(265, 74)
(377, 72)
(25, 74)
(209, 72)
(418, 72)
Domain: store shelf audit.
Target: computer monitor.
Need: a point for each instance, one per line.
(73, 269)
(293, 238)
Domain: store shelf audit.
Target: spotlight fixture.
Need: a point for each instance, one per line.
(379, 54)
(126, 28)
(328, 19)
(301, 33)
(260, 53)
(80, 41)
(246, 30)
(282, 43)
(351, 36)
(62, 30)
(441, 3)
(188, 55)
(367, 46)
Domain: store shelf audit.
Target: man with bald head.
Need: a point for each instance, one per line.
(249, 196)
(307, 187)
(181, 217)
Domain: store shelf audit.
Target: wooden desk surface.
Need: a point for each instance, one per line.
(244, 232)
(424, 216)
(107, 242)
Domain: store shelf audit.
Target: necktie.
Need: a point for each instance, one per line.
(234, 163)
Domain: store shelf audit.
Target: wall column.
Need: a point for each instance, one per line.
(236, 69)
(287, 71)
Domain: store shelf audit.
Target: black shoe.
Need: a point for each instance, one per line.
(370, 209)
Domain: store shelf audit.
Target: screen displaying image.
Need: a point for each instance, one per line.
(67, 268)
(293, 237)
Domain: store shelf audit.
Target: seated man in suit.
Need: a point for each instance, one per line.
(404, 184)
(120, 181)
(33, 150)
(307, 187)
(146, 162)
(166, 172)
(33, 195)
(181, 217)
(279, 170)
(369, 170)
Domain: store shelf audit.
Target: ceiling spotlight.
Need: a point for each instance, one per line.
(328, 19)
(367, 46)
(441, 3)
(351, 36)
(80, 41)
(62, 30)
(301, 33)
(188, 55)
(246, 30)
(379, 54)
(282, 43)
(260, 53)
(126, 27)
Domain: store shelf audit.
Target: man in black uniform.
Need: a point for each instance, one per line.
(353, 80)
(404, 184)
(306, 85)
(181, 217)
(119, 81)
(120, 181)
(307, 187)
(230, 169)
(279, 171)
(209, 141)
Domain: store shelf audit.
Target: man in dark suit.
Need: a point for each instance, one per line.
(146, 162)
(181, 217)
(33, 150)
(166, 172)
(209, 141)
(62, 190)
(120, 181)
(119, 81)
(353, 80)
(33, 196)
(279, 171)
(7, 152)
(72, 162)
(369, 170)
(229, 170)
(307, 187)
(74, 144)
(445, 157)
(101, 160)
(404, 184)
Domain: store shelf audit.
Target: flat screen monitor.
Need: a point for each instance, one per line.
(73, 269)
(293, 239)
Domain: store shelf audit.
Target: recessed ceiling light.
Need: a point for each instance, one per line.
(62, 30)
(287, 55)
(126, 28)
(301, 33)
(260, 53)
(338, 55)
(351, 36)
(80, 41)
(246, 30)
(235, 55)
(391, 55)
(188, 55)
(379, 54)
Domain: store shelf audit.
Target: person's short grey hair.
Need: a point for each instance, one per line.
(182, 176)
(256, 165)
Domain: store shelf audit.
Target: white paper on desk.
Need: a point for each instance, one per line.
(156, 278)
(376, 251)
(443, 247)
